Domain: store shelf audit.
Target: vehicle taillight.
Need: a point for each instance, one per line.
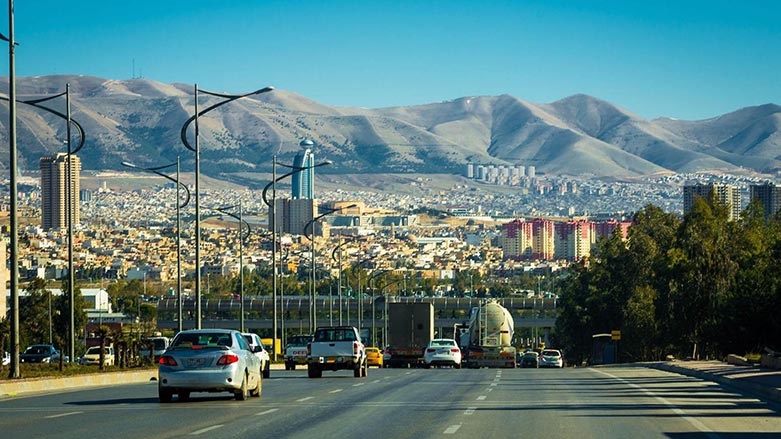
(455, 350)
(227, 359)
(430, 350)
(309, 349)
(355, 348)
(168, 360)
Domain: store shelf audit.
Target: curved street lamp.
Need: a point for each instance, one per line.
(273, 226)
(333, 258)
(197, 150)
(224, 210)
(68, 210)
(179, 207)
(313, 291)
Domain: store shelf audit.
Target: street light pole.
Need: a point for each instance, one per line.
(14, 268)
(179, 207)
(197, 150)
(272, 206)
(313, 289)
(241, 256)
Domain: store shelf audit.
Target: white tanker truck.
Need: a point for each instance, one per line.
(486, 341)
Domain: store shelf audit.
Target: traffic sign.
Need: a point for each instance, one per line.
(615, 334)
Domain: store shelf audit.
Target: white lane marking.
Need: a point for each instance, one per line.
(359, 384)
(266, 412)
(694, 422)
(489, 390)
(204, 430)
(470, 411)
(493, 384)
(63, 414)
(376, 381)
(481, 398)
(305, 399)
(336, 391)
(452, 429)
(407, 373)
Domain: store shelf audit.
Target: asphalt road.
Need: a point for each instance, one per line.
(616, 402)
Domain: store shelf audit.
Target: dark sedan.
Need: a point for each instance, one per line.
(40, 353)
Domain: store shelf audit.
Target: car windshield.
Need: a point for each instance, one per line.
(530, 354)
(337, 334)
(202, 340)
(299, 340)
(373, 350)
(159, 344)
(37, 350)
(550, 353)
(447, 343)
(96, 350)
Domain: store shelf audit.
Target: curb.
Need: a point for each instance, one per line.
(33, 385)
(769, 393)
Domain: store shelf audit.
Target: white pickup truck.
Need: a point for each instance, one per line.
(336, 348)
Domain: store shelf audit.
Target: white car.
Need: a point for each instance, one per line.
(442, 352)
(260, 351)
(92, 356)
(6, 358)
(551, 358)
(209, 360)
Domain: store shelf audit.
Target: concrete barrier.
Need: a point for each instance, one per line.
(738, 360)
(35, 385)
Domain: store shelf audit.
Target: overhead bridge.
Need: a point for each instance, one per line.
(293, 311)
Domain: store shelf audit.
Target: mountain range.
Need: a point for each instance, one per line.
(140, 120)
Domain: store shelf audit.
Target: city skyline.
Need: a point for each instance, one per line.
(688, 60)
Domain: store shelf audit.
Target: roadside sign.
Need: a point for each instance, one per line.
(615, 334)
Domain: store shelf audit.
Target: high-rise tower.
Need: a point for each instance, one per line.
(769, 196)
(54, 190)
(303, 181)
(725, 193)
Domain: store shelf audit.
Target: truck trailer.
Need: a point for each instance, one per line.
(487, 341)
(410, 329)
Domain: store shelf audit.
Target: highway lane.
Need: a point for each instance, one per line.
(414, 403)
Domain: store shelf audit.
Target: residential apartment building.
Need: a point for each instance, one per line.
(54, 190)
(769, 197)
(573, 240)
(724, 193)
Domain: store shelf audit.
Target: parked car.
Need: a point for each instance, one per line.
(92, 356)
(40, 353)
(157, 344)
(551, 358)
(373, 357)
(209, 360)
(442, 352)
(257, 347)
(530, 359)
(6, 358)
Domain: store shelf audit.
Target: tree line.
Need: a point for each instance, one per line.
(700, 286)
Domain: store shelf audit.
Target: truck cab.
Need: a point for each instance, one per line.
(336, 348)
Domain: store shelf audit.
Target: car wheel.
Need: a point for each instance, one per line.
(314, 372)
(457, 366)
(259, 388)
(267, 370)
(292, 366)
(184, 396)
(164, 395)
(365, 370)
(241, 394)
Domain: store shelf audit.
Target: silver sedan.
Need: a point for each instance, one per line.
(209, 360)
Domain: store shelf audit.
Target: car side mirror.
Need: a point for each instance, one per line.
(257, 349)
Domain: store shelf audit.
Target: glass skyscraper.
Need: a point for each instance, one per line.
(303, 181)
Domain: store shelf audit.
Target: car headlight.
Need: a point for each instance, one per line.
(46, 360)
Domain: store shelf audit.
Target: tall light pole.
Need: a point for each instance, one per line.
(179, 207)
(14, 372)
(68, 194)
(272, 206)
(313, 291)
(241, 257)
(333, 258)
(197, 150)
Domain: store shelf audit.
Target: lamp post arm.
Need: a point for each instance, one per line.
(228, 98)
(156, 170)
(35, 102)
(224, 210)
(295, 170)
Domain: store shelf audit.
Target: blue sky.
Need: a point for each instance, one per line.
(683, 59)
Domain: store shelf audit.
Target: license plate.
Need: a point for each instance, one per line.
(197, 362)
